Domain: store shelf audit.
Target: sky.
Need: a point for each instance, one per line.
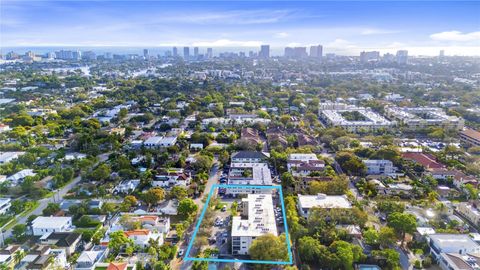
(422, 27)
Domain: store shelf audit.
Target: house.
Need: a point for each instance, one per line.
(251, 135)
(44, 225)
(459, 178)
(304, 164)
(66, 203)
(153, 142)
(115, 266)
(307, 202)
(74, 156)
(17, 177)
(168, 141)
(6, 157)
(451, 243)
(66, 240)
(305, 139)
(41, 262)
(249, 157)
(426, 160)
(6, 255)
(88, 260)
(4, 128)
(379, 167)
(127, 186)
(95, 204)
(142, 236)
(5, 204)
(196, 146)
(162, 225)
(172, 177)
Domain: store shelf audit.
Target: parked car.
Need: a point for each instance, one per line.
(180, 252)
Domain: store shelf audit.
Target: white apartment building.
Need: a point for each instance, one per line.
(379, 167)
(333, 114)
(424, 117)
(43, 225)
(307, 202)
(142, 237)
(258, 218)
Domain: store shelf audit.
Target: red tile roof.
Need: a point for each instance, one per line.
(117, 266)
(426, 160)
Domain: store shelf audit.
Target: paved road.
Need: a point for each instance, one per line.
(178, 263)
(58, 196)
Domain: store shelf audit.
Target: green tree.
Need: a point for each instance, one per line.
(153, 196)
(119, 240)
(101, 173)
(402, 223)
(391, 256)
(51, 209)
(187, 207)
(371, 237)
(18, 232)
(269, 247)
(386, 236)
(178, 192)
(310, 249)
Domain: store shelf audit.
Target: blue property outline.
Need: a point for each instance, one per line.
(287, 237)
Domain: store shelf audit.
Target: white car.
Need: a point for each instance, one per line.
(180, 252)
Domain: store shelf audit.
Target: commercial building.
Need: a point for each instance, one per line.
(186, 53)
(44, 225)
(379, 167)
(307, 202)
(470, 137)
(414, 118)
(366, 57)
(257, 219)
(352, 118)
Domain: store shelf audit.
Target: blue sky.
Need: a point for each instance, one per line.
(342, 27)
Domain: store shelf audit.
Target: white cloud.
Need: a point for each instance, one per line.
(227, 43)
(341, 44)
(281, 35)
(376, 31)
(456, 36)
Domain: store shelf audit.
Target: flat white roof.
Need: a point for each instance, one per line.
(302, 157)
(261, 217)
(153, 140)
(323, 201)
(50, 222)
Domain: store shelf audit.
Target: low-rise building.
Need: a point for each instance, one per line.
(379, 167)
(6, 157)
(249, 157)
(172, 177)
(307, 202)
(469, 137)
(248, 174)
(258, 218)
(424, 117)
(45, 225)
(452, 243)
(469, 211)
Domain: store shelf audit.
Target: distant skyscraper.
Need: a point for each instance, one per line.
(145, 53)
(186, 53)
(209, 53)
(402, 57)
(89, 55)
(316, 51)
(297, 52)
(175, 52)
(195, 52)
(264, 51)
(441, 55)
(369, 56)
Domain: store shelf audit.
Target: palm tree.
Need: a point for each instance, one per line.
(18, 256)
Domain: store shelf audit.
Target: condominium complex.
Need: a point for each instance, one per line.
(379, 167)
(424, 117)
(352, 118)
(470, 137)
(257, 219)
(304, 164)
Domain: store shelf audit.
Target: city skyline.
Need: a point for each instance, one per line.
(347, 28)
